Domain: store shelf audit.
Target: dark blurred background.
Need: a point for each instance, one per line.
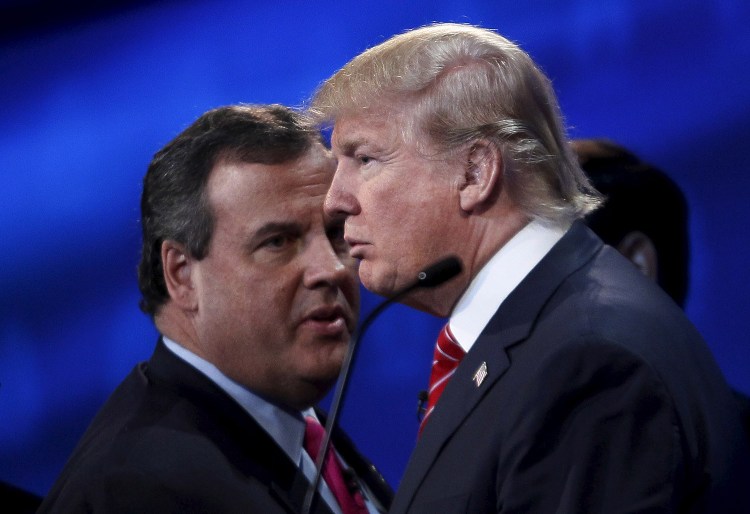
(89, 92)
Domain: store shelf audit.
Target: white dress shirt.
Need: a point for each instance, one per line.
(499, 277)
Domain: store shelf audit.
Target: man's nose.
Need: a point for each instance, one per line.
(341, 199)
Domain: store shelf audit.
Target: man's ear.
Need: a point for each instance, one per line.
(483, 165)
(641, 251)
(178, 266)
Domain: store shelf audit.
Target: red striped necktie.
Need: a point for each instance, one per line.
(448, 355)
(347, 494)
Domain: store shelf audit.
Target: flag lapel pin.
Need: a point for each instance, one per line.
(480, 375)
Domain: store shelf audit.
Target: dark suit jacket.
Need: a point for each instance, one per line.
(600, 396)
(169, 440)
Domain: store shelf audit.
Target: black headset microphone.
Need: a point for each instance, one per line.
(432, 276)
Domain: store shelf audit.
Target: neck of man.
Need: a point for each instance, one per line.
(485, 238)
(172, 322)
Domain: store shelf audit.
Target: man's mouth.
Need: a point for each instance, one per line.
(356, 248)
(329, 320)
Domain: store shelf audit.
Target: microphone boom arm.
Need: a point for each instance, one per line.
(432, 276)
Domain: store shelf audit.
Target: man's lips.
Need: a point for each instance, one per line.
(356, 247)
(329, 320)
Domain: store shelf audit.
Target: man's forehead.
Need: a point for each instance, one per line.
(316, 155)
(295, 184)
(287, 210)
(316, 164)
(353, 131)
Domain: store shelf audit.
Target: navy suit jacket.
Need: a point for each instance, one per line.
(600, 396)
(169, 440)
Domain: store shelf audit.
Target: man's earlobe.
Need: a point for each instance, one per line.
(177, 264)
(482, 177)
(640, 250)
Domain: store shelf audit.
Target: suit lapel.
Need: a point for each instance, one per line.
(510, 325)
(252, 450)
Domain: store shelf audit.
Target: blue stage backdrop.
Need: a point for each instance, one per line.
(89, 94)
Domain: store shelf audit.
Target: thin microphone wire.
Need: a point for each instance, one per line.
(339, 396)
(432, 276)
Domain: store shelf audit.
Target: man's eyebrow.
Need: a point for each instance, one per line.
(347, 147)
(275, 227)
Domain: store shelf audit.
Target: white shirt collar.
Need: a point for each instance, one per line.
(286, 427)
(499, 277)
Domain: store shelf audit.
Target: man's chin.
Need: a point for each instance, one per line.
(383, 284)
(319, 387)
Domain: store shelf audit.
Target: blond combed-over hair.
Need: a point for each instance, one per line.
(456, 84)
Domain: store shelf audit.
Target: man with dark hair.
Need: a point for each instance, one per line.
(570, 383)
(251, 287)
(645, 217)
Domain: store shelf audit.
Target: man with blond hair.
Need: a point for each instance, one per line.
(580, 386)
